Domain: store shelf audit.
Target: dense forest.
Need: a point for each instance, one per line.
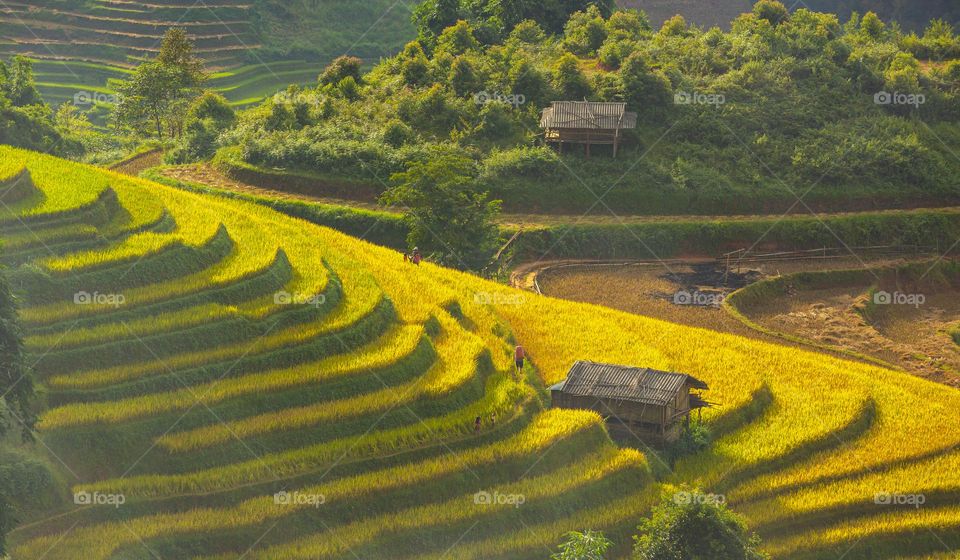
(782, 102)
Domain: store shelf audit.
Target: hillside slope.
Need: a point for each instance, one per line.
(256, 47)
(221, 379)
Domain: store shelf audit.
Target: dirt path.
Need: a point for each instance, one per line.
(208, 175)
(140, 162)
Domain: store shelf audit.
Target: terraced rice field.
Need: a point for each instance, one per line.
(252, 385)
(80, 49)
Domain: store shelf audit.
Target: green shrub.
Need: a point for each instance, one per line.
(529, 162)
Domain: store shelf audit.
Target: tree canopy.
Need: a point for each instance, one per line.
(160, 90)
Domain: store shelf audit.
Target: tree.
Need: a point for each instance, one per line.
(433, 16)
(872, 26)
(146, 98)
(694, 526)
(457, 39)
(209, 115)
(340, 68)
(176, 51)
(71, 120)
(16, 384)
(674, 27)
(19, 85)
(463, 78)
(446, 212)
(771, 10)
(568, 80)
(588, 545)
(643, 88)
(585, 32)
(160, 91)
(630, 23)
(415, 67)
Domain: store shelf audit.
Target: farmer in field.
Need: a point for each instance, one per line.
(519, 355)
(476, 425)
(417, 257)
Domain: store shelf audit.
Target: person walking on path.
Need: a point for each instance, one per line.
(519, 355)
(476, 425)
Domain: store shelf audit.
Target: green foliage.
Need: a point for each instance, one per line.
(340, 68)
(585, 32)
(415, 68)
(25, 120)
(569, 80)
(872, 26)
(16, 384)
(447, 215)
(7, 523)
(523, 162)
(463, 77)
(208, 117)
(692, 525)
(18, 83)
(694, 438)
(496, 19)
(159, 91)
(728, 121)
(588, 545)
(771, 10)
(457, 39)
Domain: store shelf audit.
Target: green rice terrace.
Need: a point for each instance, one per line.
(254, 47)
(221, 380)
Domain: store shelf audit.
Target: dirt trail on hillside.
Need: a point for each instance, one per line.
(207, 174)
(137, 164)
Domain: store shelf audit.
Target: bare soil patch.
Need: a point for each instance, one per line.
(914, 339)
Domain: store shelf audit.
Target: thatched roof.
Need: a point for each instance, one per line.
(643, 385)
(591, 115)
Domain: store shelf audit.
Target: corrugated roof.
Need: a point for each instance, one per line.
(593, 115)
(609, 381)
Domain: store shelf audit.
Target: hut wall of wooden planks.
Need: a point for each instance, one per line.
(587, 123)
(650, 404)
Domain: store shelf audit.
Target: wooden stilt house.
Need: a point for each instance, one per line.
(587, 123)
(650, 404)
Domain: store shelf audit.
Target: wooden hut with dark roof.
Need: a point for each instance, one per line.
(586, 122)
(651, 404)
